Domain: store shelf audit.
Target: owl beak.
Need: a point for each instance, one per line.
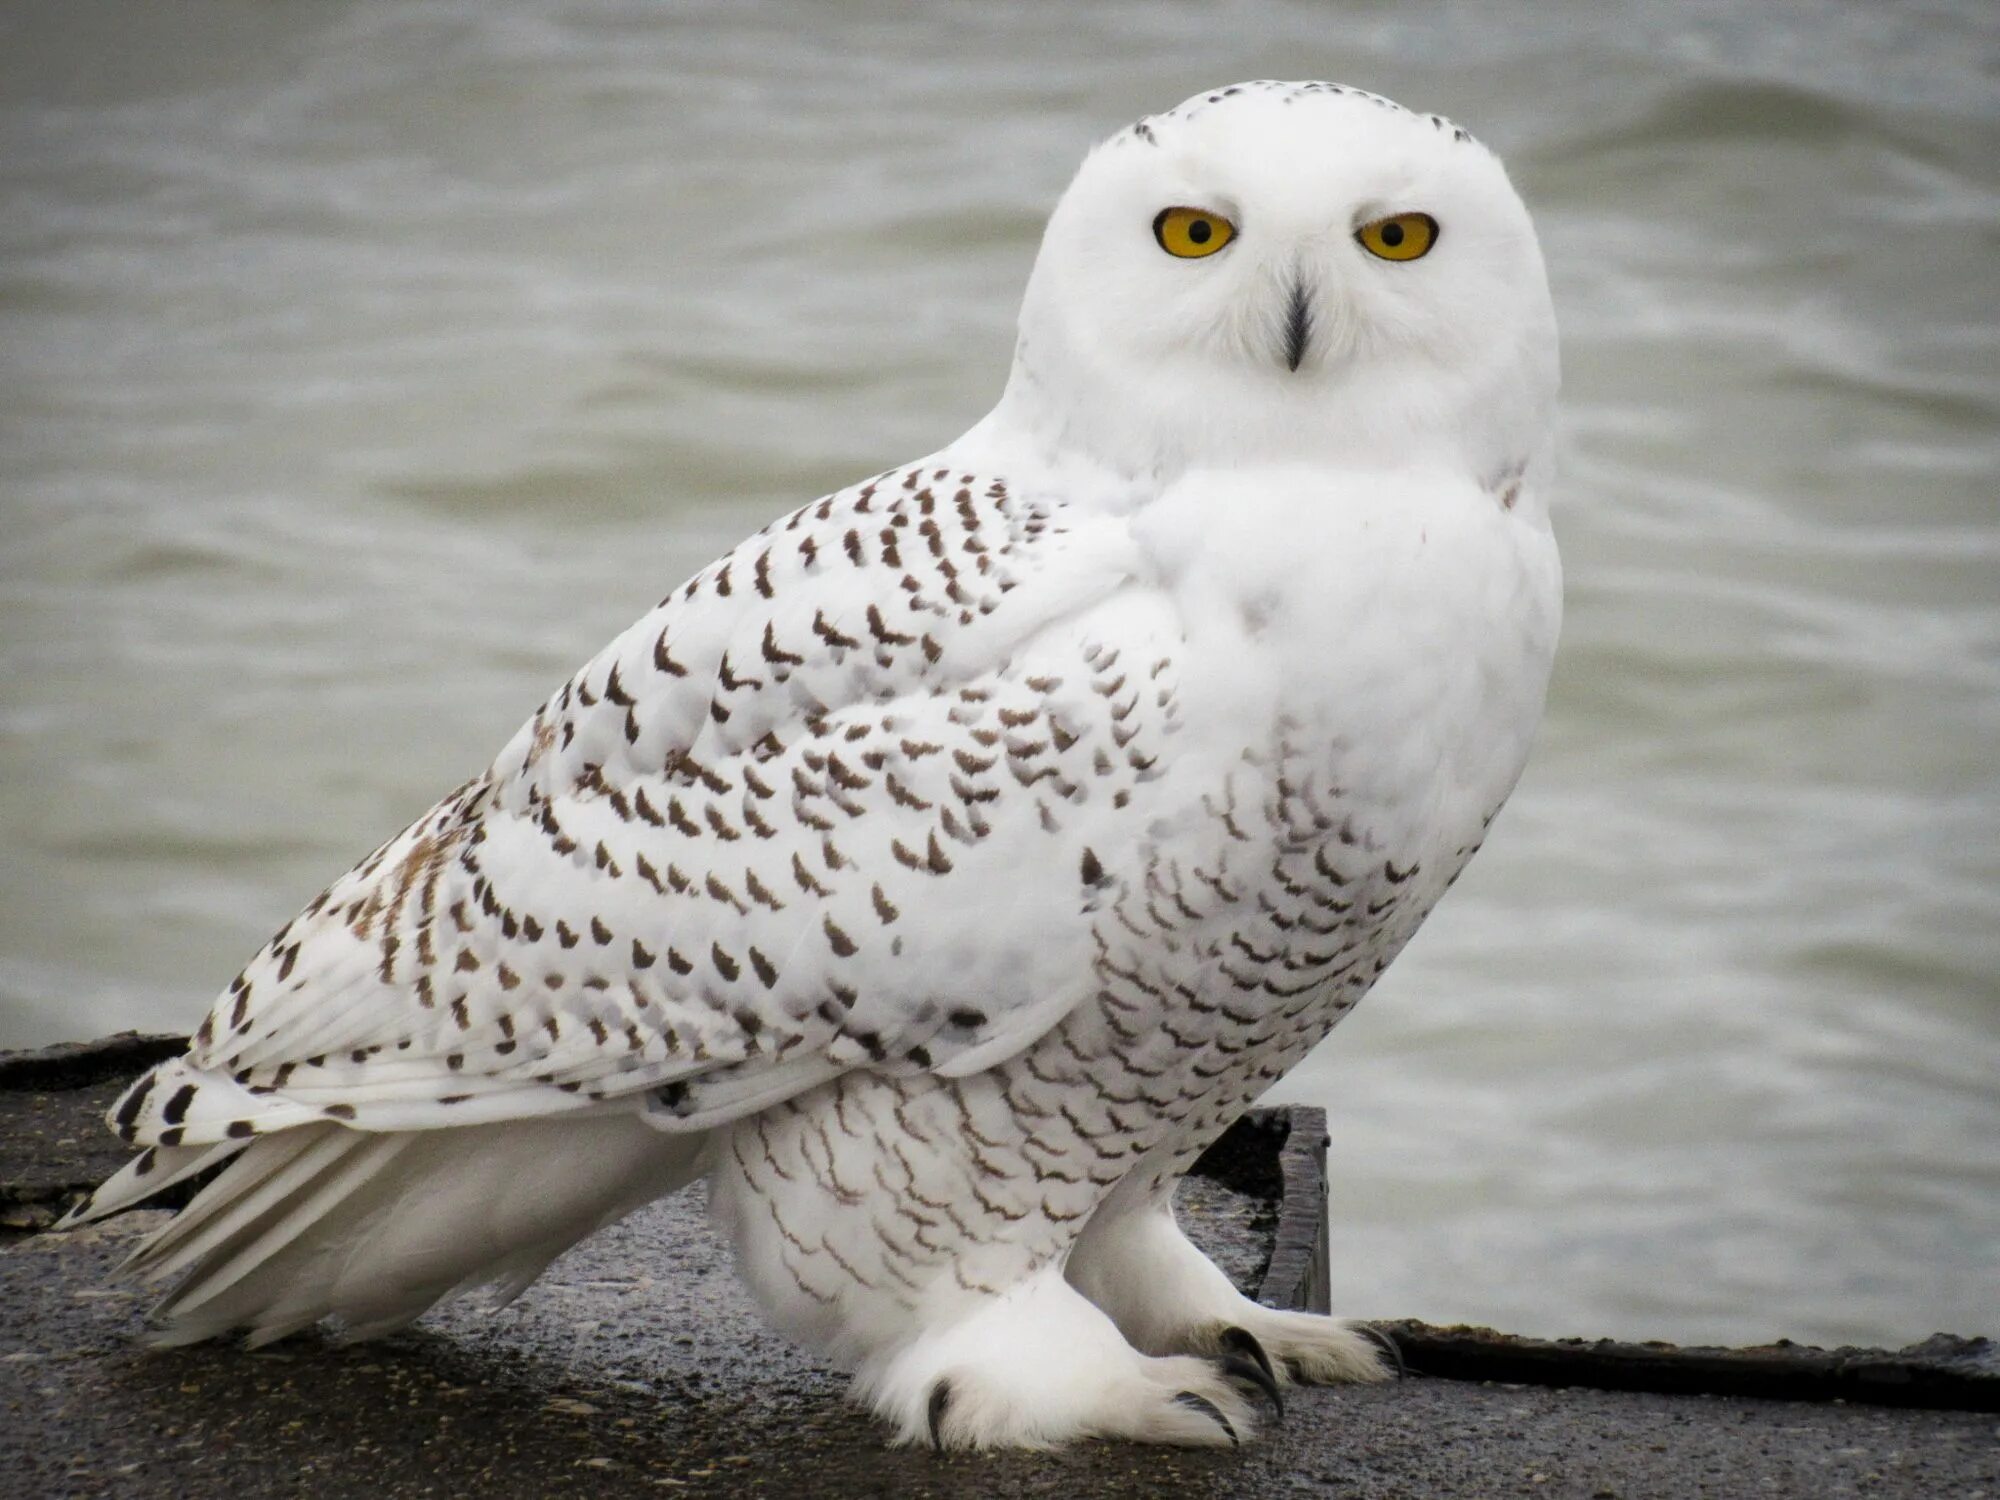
(1298, 323)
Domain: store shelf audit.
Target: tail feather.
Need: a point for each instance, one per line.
(370, 1229)
(196, 1220)
(253, 1223)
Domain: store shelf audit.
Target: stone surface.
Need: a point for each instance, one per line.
(637, 1366)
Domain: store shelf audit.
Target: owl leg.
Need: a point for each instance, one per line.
(1037, 1365)
(1166, 1297)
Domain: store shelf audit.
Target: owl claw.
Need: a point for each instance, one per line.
(1210, 1410)
(934, 1412)
(1242, 1341)
(1389, 1347)
(1252, 1373)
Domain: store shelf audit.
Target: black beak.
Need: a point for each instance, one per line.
(1298, 324)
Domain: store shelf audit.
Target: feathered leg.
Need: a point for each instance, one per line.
(1166, 1297)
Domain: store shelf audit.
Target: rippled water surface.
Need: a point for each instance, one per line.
(363, 367)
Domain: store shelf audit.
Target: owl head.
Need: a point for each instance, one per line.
(1288, 272)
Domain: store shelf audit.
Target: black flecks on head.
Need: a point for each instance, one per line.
(1288, 92)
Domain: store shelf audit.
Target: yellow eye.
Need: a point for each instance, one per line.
(1401, 237)
(1192, 233)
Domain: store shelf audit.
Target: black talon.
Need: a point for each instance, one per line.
(940, 1399)
(1388, 1345)
(1243, 1341)
(1249, 1371)
(1209, 1409)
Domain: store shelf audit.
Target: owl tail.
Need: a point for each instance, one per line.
(324, 1221)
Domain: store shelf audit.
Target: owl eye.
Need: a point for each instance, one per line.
(1399, 237)
(1192, 233)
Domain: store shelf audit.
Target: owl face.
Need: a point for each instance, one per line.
(1295, 266)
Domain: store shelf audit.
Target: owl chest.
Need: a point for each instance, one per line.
(1368, 693)
(1230, 951)
(1340, 757)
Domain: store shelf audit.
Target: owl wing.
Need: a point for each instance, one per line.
(840, 801)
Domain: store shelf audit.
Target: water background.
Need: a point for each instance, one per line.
(363, 367)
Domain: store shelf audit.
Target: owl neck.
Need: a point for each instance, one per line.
(1141, 430)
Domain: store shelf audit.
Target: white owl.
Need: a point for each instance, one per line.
(940, 871)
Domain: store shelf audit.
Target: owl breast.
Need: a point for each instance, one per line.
(1358, 706)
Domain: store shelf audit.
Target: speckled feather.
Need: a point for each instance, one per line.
(688, 873)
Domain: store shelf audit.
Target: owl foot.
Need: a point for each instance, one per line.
(1166, 1297)
(968, 1409)
(1038, 1366)
(1306, 1348)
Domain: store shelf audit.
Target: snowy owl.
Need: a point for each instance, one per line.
(937, 873)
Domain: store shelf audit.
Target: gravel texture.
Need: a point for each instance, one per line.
(638, 1366)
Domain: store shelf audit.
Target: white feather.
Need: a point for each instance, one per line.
(940, 869)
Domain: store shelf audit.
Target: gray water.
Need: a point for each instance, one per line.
(363, 367)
